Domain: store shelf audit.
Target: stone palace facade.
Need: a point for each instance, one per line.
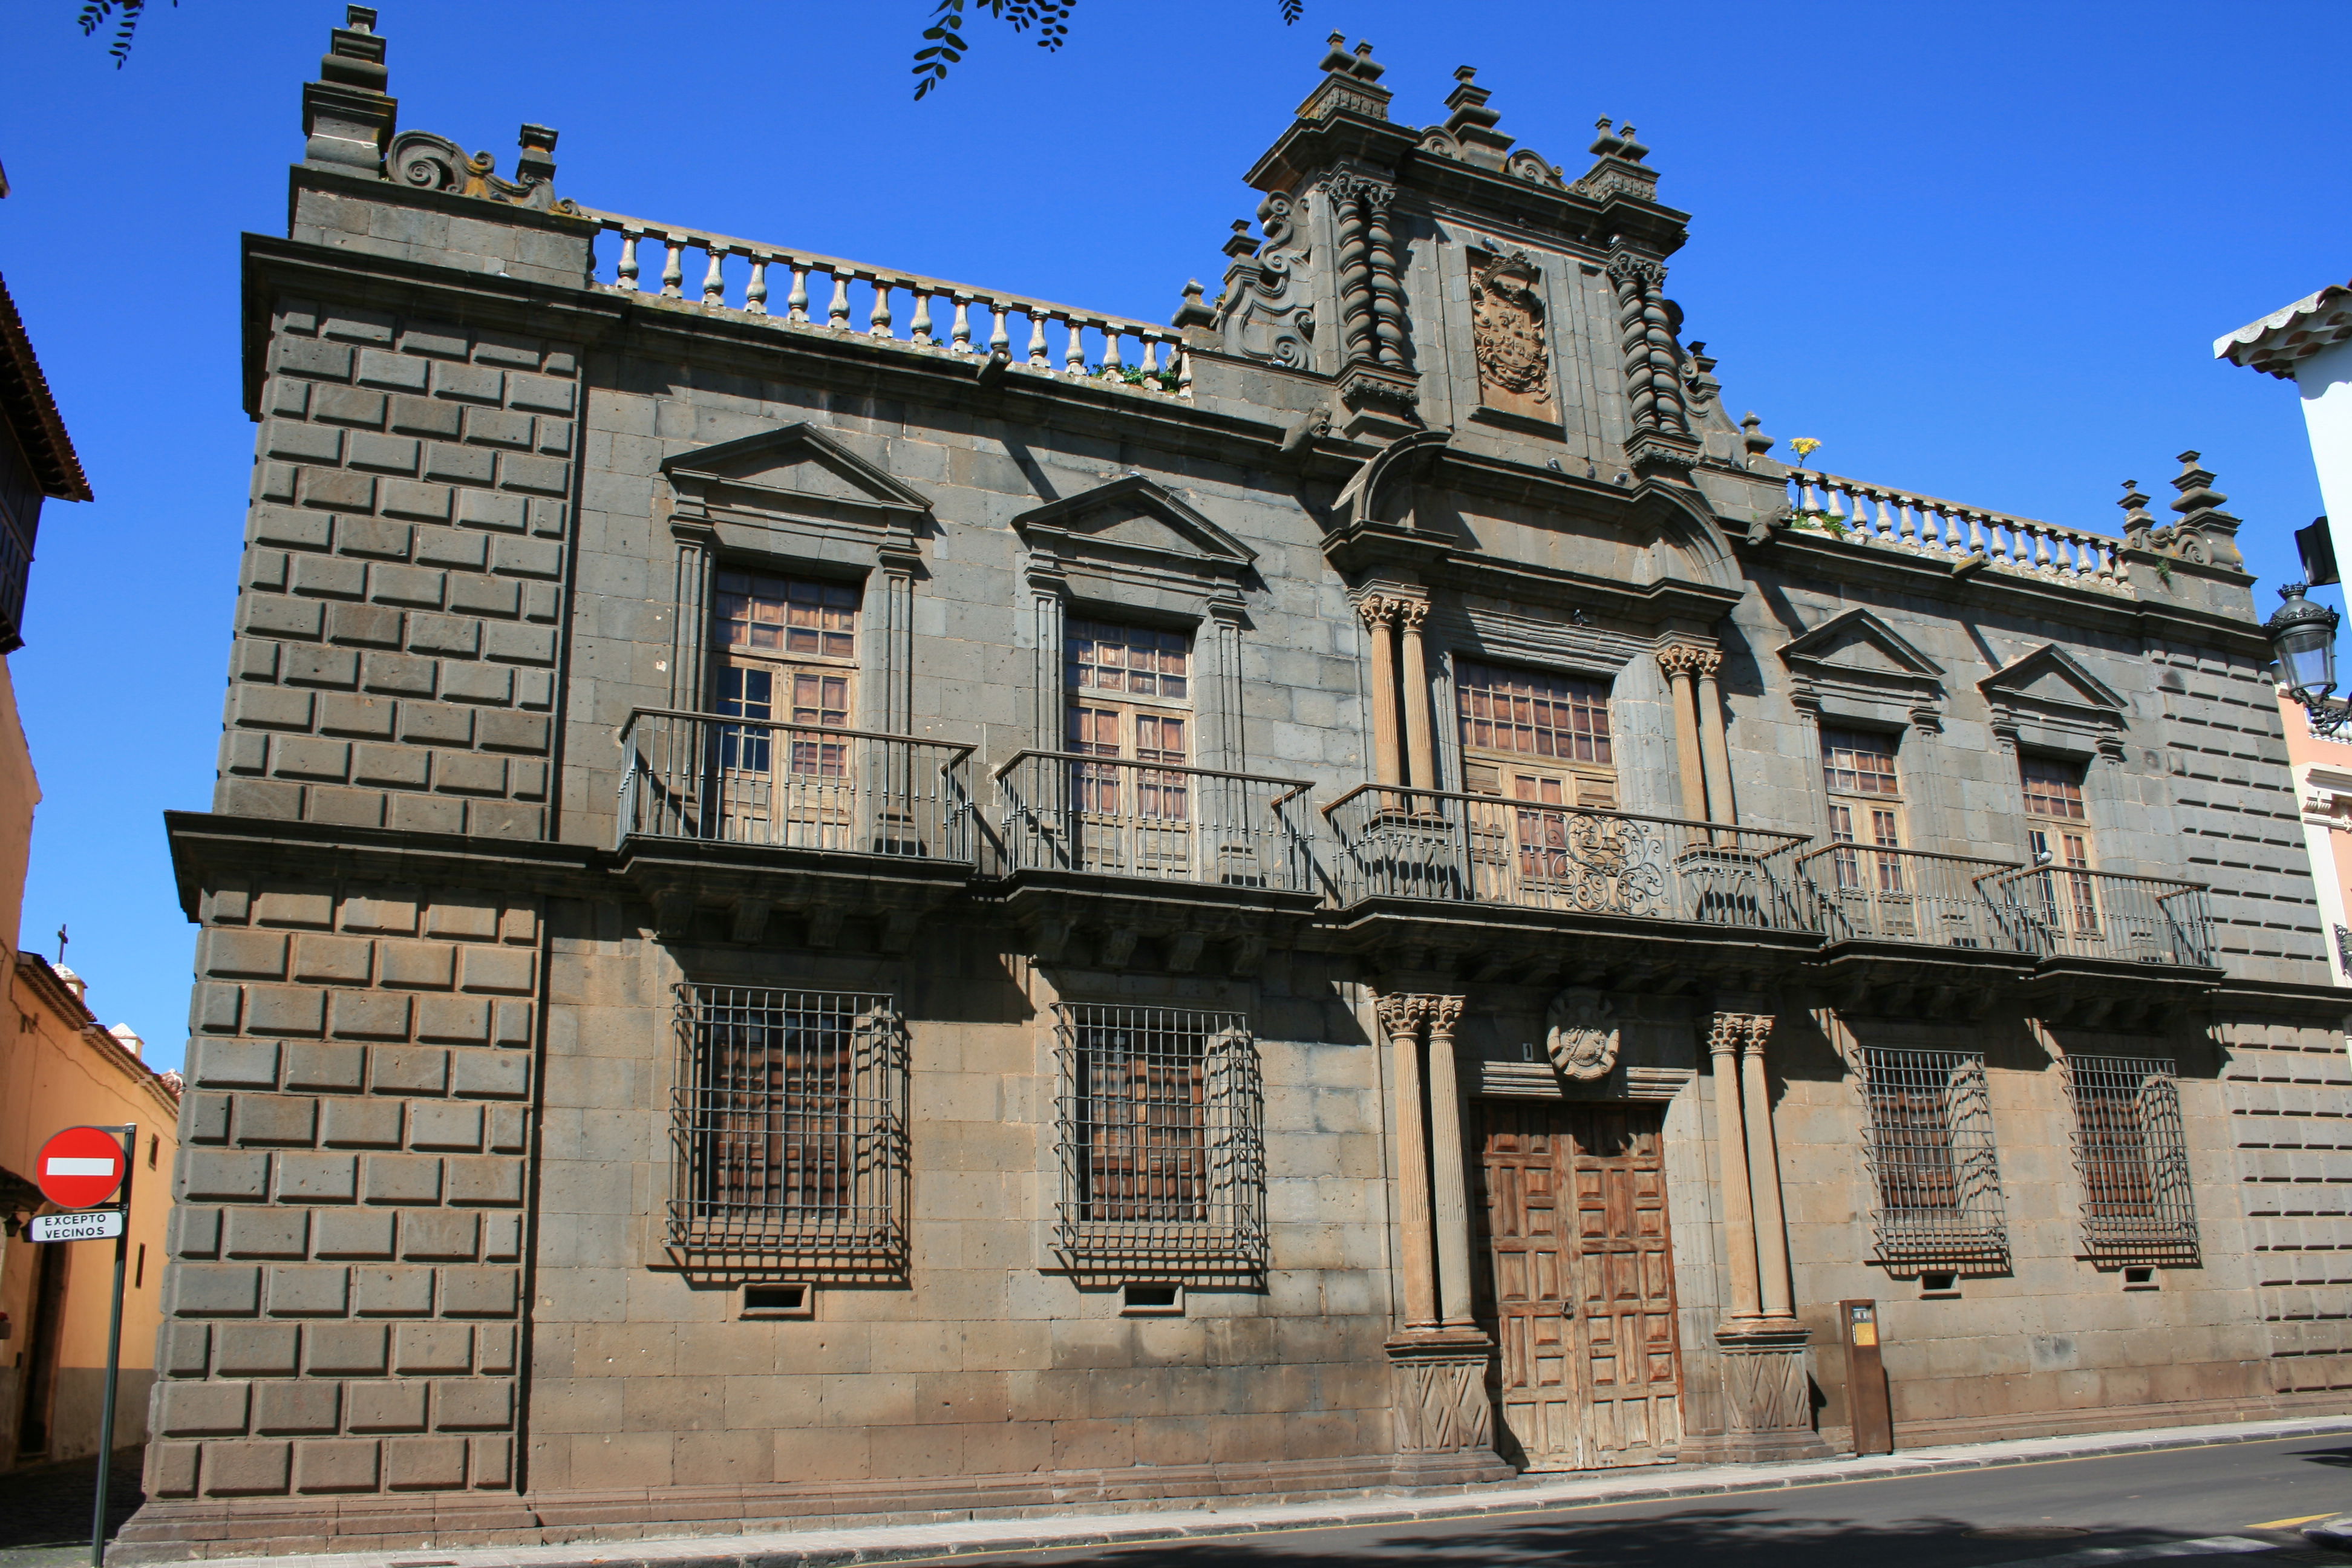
(834, 893)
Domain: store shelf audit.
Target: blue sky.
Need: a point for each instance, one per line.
(1979, 251)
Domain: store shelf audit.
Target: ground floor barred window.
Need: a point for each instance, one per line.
(788, 1120)
(1159, 1113)
(2133, 1155)
(1932, 1157)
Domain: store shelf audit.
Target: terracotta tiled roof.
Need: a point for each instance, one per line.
(31, 413)
(2279, 340)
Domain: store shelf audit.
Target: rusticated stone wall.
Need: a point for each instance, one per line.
(397, 627)
(341, 1315)
(2290, 1089)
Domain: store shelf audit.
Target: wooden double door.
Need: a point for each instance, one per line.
(1581, 1292)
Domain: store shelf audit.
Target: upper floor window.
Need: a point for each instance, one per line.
(1130, 698)
(1865, 807)
(2058, 836)
(1535, 736)
(787, 656)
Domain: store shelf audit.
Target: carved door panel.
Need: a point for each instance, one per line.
(1625, 1335)
(1527, 1294)
(1581, 1293)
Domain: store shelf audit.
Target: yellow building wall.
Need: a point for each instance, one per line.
(59, 1070)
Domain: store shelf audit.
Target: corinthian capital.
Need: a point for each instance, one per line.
(1444, 1012)
(1402, 1015)
(1631, 270)
(1375, 194)
(1724, 1032)
(1758, 1033)
(1412, 613)
(1684, 658)
(1377, 609)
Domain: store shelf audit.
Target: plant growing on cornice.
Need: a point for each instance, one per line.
(2164, 569)
(943, 40)
(1164, 377)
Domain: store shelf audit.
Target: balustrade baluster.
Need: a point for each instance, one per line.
(959, 330)
(714, 279)
(1073, 357)
(1931, 525)
(1150, 355)
(1906, 517)
(1836, 512)
(878, 319)
(673, 272)
(1975, 536)
(837, 313)
(1184, 372)
(919, 331)
(2041, 549)
(1037, 341)
(755, 292)
(626, 273)
(1886, 529)
(796, 303)
(1000, 334)
(1112, 364)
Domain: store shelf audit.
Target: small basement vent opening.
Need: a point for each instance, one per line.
(778, 1300)
(1155, 1299)
(1940, 1284)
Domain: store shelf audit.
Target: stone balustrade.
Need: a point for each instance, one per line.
(1882, 516)
(854, 298)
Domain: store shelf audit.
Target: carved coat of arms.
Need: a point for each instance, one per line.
(1580, 1034)
(1507, 328)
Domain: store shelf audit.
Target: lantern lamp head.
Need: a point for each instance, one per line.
(2303, 636)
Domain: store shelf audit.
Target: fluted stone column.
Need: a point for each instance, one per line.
(1420, 744)
(1449, 1199)
(1380, 619)
(1678, 660)
(1402, 1017)
(1764, 1174)
(1715, 747)
(1731, 1149)
(1444, 1415)
(1767, 1404)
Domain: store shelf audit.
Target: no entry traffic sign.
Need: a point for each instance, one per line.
(81, 1167)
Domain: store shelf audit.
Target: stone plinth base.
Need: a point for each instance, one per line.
(1768, 1400)
(1445, 1416)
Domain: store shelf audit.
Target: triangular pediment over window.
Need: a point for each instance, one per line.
(2050, 678)
(795, 471)
(1858, 644)
(1134, 520)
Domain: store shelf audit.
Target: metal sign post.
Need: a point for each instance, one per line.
(114, 1353)
(74, 1174)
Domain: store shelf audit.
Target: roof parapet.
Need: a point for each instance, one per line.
(1351, 82)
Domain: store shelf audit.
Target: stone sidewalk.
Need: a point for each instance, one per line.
(888, 1544)
(45, 1509)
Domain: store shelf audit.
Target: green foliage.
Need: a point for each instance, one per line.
(944, 44)
(124, 14)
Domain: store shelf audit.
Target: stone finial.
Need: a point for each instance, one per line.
(1195, 311)
(2138, 522)
(2195, 485)
(347, 116)
(1471, 124)
(1239, 244)
(535, 165)
(1752, 437)
(1351, 82)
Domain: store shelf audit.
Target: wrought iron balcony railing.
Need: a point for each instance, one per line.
(718, 779)
(2104, 914)
(1869, 893)
(1115, 816)
(1438, 843)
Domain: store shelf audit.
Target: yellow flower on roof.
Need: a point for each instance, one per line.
(1805, 446)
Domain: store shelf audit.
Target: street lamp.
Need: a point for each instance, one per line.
(2303, 636)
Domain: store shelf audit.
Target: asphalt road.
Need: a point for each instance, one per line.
(2227, 1503)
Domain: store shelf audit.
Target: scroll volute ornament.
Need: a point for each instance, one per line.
(1580, 1034)
(1507, 325)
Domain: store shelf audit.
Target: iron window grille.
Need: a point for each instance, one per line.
(1931, 1156)
(2132, 1153)
(1159, 1113)
(788, 1125)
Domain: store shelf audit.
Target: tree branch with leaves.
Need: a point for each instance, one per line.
(943, 42)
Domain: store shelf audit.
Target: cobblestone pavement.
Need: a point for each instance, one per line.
(45, 1509)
